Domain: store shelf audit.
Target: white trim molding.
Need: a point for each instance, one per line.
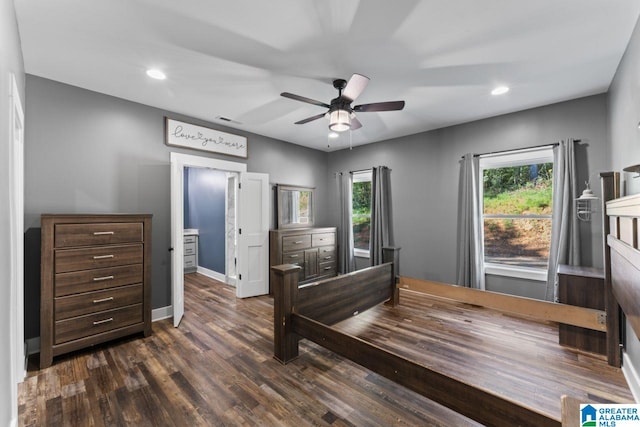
(631, 374)
(513, 271)
(212, 274)
(161, 313)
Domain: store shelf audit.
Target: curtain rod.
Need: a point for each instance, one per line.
(361, 170)
(554, 144)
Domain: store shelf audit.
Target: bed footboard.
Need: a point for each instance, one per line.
(328, 301)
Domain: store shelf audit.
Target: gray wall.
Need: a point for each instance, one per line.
(10, 63)
(624, 115)
(425, 172)
(88, 152)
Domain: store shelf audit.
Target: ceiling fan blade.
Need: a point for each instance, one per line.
(310, 119)
(355, 123)
(304, 99)
(380, 106)
(355, 86)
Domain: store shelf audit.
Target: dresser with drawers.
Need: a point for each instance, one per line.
(190, 250)
(313, 249)
(95, 280)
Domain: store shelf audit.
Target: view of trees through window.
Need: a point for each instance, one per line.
(361, 219)
(517, 214)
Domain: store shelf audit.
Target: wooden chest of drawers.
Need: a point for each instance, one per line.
(313, 249)
(190, 253)
(95, 280)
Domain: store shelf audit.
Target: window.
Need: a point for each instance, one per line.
(516, 212)
(361, 216)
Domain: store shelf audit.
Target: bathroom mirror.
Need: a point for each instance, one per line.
(295, 206)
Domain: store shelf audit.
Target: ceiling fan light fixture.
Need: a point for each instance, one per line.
(339, 120)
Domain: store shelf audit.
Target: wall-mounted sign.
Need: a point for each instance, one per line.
(181, 134)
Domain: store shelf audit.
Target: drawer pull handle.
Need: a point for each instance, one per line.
(328, 268)
(102, 233)
(328, 257)
(297, 242)
(101, 322)
(294, 256)
(102, 256)
(97, 301)
(100, 279)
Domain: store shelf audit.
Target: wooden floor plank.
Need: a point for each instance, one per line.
(217, 369)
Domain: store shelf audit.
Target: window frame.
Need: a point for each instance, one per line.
(361, 176)
(511, 159)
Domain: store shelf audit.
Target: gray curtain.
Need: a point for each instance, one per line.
(344, 181)
(381, 216)
(565, 235)
(470, 251)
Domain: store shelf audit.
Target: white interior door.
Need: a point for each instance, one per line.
(177, 236)
(253, 235)
(231, 245)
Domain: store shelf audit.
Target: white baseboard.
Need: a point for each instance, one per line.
(161, 313)
(631, 374)
(212, 274)
(13, 422)
(33, 346)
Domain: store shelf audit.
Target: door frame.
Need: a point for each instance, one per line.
(178, 162)
(17, 352)
(233, 180)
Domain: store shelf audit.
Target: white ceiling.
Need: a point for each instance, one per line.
(233, 58)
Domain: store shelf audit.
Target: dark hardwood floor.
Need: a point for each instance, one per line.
(217, 369)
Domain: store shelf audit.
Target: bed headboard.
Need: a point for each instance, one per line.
(623, 216)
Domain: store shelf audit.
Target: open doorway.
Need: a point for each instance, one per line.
(210, 224)
(252, 224)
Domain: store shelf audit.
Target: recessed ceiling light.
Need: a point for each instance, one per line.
(500, 90)
(333, 135)
(154, 73)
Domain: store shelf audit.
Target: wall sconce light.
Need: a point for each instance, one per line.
(586, 204)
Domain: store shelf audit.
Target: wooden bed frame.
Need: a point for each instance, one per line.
(308, 311)
(622, 266)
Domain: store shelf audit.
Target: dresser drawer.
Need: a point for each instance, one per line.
(68, 235)
(189, 249)
(98, 279)
(189, 239)
(293, 257)
(92, 324)
(190, 261)
(327, 253)
(323, 239)
(99, 257)
(328, 268)
(91, 302)
(293, 243)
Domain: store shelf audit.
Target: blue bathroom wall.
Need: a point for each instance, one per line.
(204, 200)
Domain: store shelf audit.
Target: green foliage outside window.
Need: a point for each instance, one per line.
(524, 195)
(361, 205)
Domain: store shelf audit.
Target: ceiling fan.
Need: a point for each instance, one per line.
(341, 115)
